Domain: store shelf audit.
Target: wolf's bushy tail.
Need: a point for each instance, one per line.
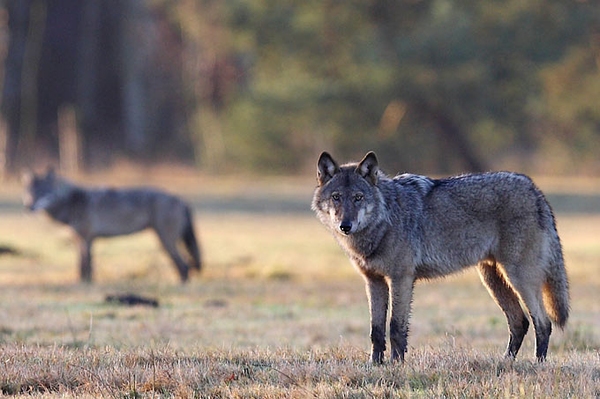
(556, 287)
(189, 239)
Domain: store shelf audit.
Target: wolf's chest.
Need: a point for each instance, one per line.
(372, 257)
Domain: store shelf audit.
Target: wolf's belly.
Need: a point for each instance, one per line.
(119, 223)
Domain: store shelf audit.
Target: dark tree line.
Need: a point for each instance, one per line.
(116, 63)
(432, 85)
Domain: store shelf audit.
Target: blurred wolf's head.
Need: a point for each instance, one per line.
(40, 190)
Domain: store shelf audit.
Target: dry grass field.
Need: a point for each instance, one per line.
(277, 312)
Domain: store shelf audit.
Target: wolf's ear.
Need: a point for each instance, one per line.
(50, 174)
(368, 167)
(326, 168)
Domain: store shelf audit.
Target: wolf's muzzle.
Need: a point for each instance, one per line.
(346, 227)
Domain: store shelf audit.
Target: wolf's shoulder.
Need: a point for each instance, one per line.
(422, 184)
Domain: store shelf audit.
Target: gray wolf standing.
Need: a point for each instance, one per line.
(410, 227)
(95, 213)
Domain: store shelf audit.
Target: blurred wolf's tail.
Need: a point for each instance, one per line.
(189, 238)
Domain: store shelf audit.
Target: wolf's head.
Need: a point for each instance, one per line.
(346, 196)
(40, 190)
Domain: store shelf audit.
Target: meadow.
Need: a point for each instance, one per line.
(277, 311)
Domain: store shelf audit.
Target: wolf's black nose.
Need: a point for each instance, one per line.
(346, 227)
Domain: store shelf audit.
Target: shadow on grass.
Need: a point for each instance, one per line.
(276, 203)
(270, 203)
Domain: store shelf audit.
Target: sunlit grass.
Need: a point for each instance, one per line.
(277, 311)
(338, 371)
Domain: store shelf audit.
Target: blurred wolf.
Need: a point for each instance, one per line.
(410, 227)
(95, 213)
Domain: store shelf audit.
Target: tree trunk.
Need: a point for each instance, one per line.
(88, 76)
(136, 45)
(18, 24)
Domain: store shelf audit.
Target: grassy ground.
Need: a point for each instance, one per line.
(278, 310)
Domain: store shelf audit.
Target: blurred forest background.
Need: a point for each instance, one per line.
(434, 86)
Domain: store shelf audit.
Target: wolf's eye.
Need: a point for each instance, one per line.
(358, 197)
(336, 196)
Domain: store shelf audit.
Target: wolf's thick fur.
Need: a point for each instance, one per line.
(410, 227)
(95, 213)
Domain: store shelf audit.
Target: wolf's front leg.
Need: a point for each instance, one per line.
(85, 260)
(401, 289)
(378, 295)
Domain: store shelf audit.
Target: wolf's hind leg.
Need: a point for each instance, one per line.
(170, 245)
(508, 301)
(527, 281)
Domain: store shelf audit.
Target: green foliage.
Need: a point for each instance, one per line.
(434, 86)
(325, 73)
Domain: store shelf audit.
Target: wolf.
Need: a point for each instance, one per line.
(398, 230)
(108, 212)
